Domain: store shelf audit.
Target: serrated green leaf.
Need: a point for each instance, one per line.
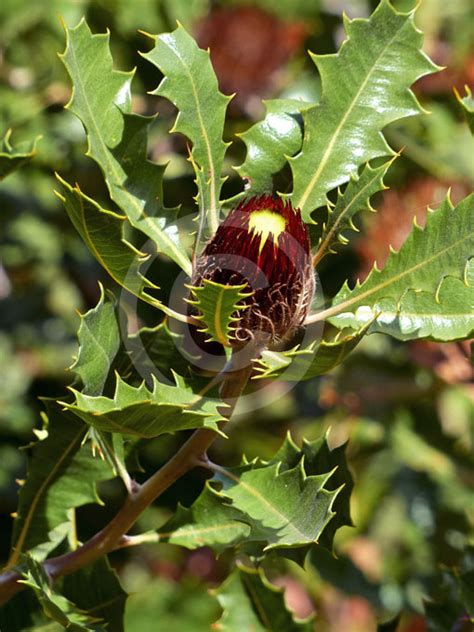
(319, 457)
(305, 363)
(11, 158)
(99, 341)
(467, 105)
(96, 590)
(250, 602)
(365, 86)
(55, 605)
(269, 142)
(216, 305)
(102, 232)
(191, 85)
(144, 413)
(62, 475)
(117, 138)
(286, 502)
(285, 508)
(426, 274)
(354, 199)
(210, 521)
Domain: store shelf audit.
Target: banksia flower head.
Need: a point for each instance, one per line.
(263, 243)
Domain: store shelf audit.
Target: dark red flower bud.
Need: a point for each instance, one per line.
(262, 242)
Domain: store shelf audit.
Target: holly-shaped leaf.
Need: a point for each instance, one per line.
(354, 199)
(250, 602)
(117, 139)
(420, 290)
(365, 86)
(62, 475)
(191, 85)
(99, 342)
(304, 363)
(102, 232)
(262, 506)
(216, 305)
(212, 521)
(270, 142)
(11, 158)
(147, 413)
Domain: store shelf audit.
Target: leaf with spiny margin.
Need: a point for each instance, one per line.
(191, 85)
(211, 521)
(419, 292)
(147, 413)
(319, 457)
(99, 342)
(269, 142)
(257, 506)
(117, 139)
(284, 507)
(365, 86)
(96, 589)
(11, 158)
(62, 475)
(318, 358)
(250, 602)
(55, 605)
(102, 232)
(354, 199)
(467, 105)
(216, 305)
(445, 317)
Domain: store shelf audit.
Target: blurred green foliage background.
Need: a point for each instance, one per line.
(406, 409)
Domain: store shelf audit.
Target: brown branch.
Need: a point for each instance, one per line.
(190, 455)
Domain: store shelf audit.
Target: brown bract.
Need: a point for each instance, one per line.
(264, 243)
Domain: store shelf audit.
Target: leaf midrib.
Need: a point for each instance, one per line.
(340, 307)
(212, 173)
(29, 516)
(307, 192)
(159, 235)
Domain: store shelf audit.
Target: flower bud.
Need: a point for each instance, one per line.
(264, 243)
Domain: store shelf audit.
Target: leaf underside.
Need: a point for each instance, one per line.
(426, 289)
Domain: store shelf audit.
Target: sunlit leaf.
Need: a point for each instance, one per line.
(426, 289)
(216, 304)
(99, 341)
(270, 142)
(354, 199)
(62, 475)
(304, 363)
(190, 83)
(147, 413)
(365, 86)
(117, 138)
